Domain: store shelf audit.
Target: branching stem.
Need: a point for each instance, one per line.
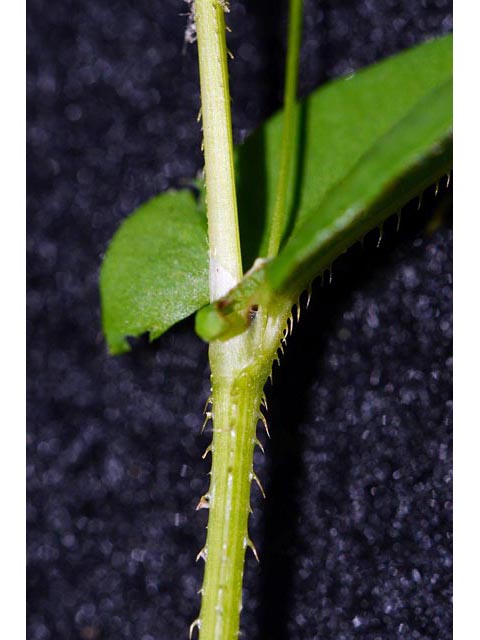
(240, 366)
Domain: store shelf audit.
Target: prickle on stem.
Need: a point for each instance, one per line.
(204, 502)
(420, 199)
(264, 421)
(309, 296)
(208, 416)
(202, 554)
(208, 450)
(299, 310)
(208, 402)
(257, 442)
(196, 624)
(253, 476)
(287, 330)
(380, 235)
(399, 219)
(248, 543)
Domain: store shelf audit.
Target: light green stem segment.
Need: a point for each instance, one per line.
(287, 153)
(240, 366)
(236, 391)
(223, 233)
(237, 401)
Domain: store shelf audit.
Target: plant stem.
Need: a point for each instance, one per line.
(237, 392)
(235, 396)
(241, 365)
(223, 234)
(236, 416)
(277, 220)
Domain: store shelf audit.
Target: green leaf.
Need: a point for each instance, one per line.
(404, 162)
(155, 271)
(414, 153)
(338, 123)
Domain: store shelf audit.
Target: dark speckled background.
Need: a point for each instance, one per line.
(355, 533)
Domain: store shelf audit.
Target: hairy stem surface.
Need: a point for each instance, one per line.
(234, 391)
(236, 403)
(237, 393)
(240, 366)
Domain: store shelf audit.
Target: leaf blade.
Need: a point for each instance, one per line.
(405, 161)
(155, 271)
(338, 123)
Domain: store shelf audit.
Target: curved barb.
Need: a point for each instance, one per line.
(196, 624)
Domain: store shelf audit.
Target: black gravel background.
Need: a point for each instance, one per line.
(355, 533)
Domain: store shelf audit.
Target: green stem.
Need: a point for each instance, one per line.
(237, 392)
(223, 233)
(236, 397)
(241, 365)
(277, 220)
(236, 403)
